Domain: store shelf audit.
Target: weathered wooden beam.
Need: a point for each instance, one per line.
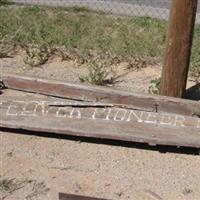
(63, 196)
(109, 122)
(178, 47)
(101, 94)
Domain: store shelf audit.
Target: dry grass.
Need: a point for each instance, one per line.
(82, 30)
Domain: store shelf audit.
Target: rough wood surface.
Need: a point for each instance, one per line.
(178, 47)
(101, 94)
(63, 196)
(99, 121)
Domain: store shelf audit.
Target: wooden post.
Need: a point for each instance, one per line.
(178, 47)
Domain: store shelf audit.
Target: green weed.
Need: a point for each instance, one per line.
(155, 85)
(4, 2)
(97, 74)
(36, 55)
(7, 186)
(3, 52)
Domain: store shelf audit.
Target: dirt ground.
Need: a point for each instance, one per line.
(42, 167)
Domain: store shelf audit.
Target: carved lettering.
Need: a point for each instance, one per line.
(166, 120)
(10, 110)
(198, 124)
(135, 116)
(13, 108)
(28, 109)
(108, 114)
(94, 114)
(120, 115)
(75, 113)
(179, 121)
(45, 108)
(63, 112)
(152, 118)
(102, 113)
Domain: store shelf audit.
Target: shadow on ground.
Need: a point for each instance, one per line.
(193, 93)
(159, 148)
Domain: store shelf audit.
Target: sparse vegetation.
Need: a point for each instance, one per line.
(155, 85)
(195, 59)
(3, 52)
(39, 188)
(97, 74)
(81, 30)
(4, 2)
(187, 191)
(36, 55)
(4, 49)
(7, 186)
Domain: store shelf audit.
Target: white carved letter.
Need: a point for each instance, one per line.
(166, 120)
(75, 113)
(179, 121)
(136, 115)
(152, 118)
(29, 112)
(198, 124)
(120, 115)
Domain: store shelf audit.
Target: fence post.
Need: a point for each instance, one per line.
(178, 47)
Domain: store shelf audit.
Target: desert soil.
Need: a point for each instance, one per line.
(42, 167)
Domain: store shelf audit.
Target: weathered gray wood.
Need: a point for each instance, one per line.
(99, 122)
(76, 197)
(101, 94)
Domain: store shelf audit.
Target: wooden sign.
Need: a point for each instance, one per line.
(87, 93)
(100, 120)
(76, 197)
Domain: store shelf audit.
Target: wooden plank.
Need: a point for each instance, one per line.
(101, 94)
(96, 121)
(63, 196)
(178, 47)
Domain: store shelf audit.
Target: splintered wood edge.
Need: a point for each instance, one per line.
(63, 196)
(100, 94)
